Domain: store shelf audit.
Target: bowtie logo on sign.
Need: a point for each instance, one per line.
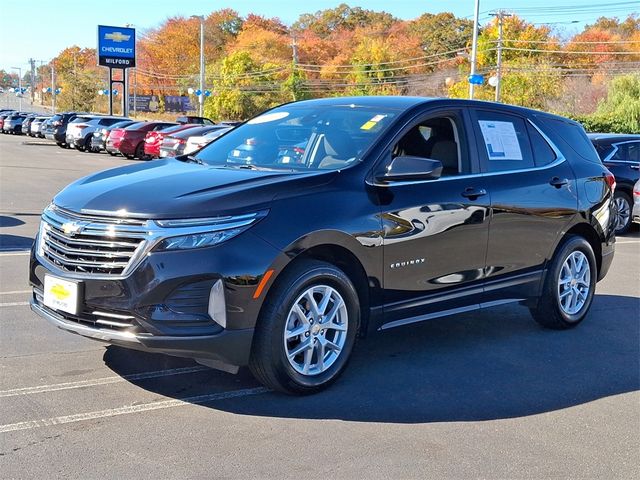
(117, 37)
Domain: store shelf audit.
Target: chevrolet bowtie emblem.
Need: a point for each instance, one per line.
(117, 37)
(72, 228)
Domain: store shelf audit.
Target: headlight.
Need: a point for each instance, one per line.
(203, 232)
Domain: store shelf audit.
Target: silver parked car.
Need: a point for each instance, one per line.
(80, 129)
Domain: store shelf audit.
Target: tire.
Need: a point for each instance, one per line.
(113, 154)
(556, 308)
(270, 359)
(624, 204)
(87, 144)
(139, 152)
(60, 144)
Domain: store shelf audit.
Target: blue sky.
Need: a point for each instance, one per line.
(41, 28)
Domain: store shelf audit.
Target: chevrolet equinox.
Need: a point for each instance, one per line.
(285, 239)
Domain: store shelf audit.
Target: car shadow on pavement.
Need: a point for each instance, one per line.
(14, 242)
(9, 221)
(484, 366)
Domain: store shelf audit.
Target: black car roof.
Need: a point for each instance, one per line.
(609, 138)
(407, 103)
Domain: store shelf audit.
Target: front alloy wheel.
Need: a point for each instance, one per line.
(316, 330)
(306, 330)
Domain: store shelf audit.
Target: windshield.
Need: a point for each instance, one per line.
(305, 137)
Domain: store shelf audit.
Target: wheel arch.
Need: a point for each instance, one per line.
(331, 252)
(589, 233)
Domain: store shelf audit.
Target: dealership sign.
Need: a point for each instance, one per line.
(116, 46)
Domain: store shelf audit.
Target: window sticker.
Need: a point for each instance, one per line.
(501, 140)
(372, 123)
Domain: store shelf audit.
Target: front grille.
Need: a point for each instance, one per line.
(90, 244)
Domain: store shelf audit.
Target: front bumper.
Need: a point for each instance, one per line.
(635, 216)
(230, 347)
(165, 301)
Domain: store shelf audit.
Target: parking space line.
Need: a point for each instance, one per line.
(15, 292)
(101, 381)
(627, 241)
(14, 304)
(145, 407)
(14, 253)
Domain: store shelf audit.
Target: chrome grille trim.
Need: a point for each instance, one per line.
(103, 247)
(100, 246)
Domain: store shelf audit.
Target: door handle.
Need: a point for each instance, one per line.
(472, 193)
(635, 167)
(558, 182)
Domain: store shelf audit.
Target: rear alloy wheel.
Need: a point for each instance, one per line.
(307, 329)
(623, 212)
(569, 286)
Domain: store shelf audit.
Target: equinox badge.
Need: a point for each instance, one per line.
(407, 263)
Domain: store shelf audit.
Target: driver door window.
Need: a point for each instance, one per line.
(437, 138)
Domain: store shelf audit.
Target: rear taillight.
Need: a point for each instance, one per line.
(611, 181)
(181, 141)
(81, 125)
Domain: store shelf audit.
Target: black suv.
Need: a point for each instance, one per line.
(393, 210)
(56, 128)
(621, 155)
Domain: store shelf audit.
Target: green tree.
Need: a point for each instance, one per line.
(241, 90)
(622, 105)
(442, 32)
(79, 77)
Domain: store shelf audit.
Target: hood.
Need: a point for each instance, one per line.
(170, 188)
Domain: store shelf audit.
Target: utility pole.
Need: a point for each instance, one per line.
(32, 62)
(294, 49)
(53, 89)
(500, 15)
(201, 96)
(474, 47)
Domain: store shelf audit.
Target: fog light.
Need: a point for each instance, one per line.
(217, 307)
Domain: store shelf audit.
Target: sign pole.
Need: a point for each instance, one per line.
(125, 93)
(110, 92)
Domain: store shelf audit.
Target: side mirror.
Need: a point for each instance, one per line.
(406, 168)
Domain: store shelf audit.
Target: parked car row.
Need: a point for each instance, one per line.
(19, 123)
(116, 135)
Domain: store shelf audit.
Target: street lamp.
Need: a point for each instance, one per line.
(201, 94)
(19, 86)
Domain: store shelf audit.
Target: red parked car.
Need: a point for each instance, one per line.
(153, 139)
(129, 141)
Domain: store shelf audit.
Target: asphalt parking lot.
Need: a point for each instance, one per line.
(482, 395)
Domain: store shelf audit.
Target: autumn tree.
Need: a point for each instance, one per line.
(442, 32)
(343, 17)
(79, 77)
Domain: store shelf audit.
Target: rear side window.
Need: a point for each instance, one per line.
(629, 152)
(572, 135)
(109, 121)
(543, 154)
(504, 141)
